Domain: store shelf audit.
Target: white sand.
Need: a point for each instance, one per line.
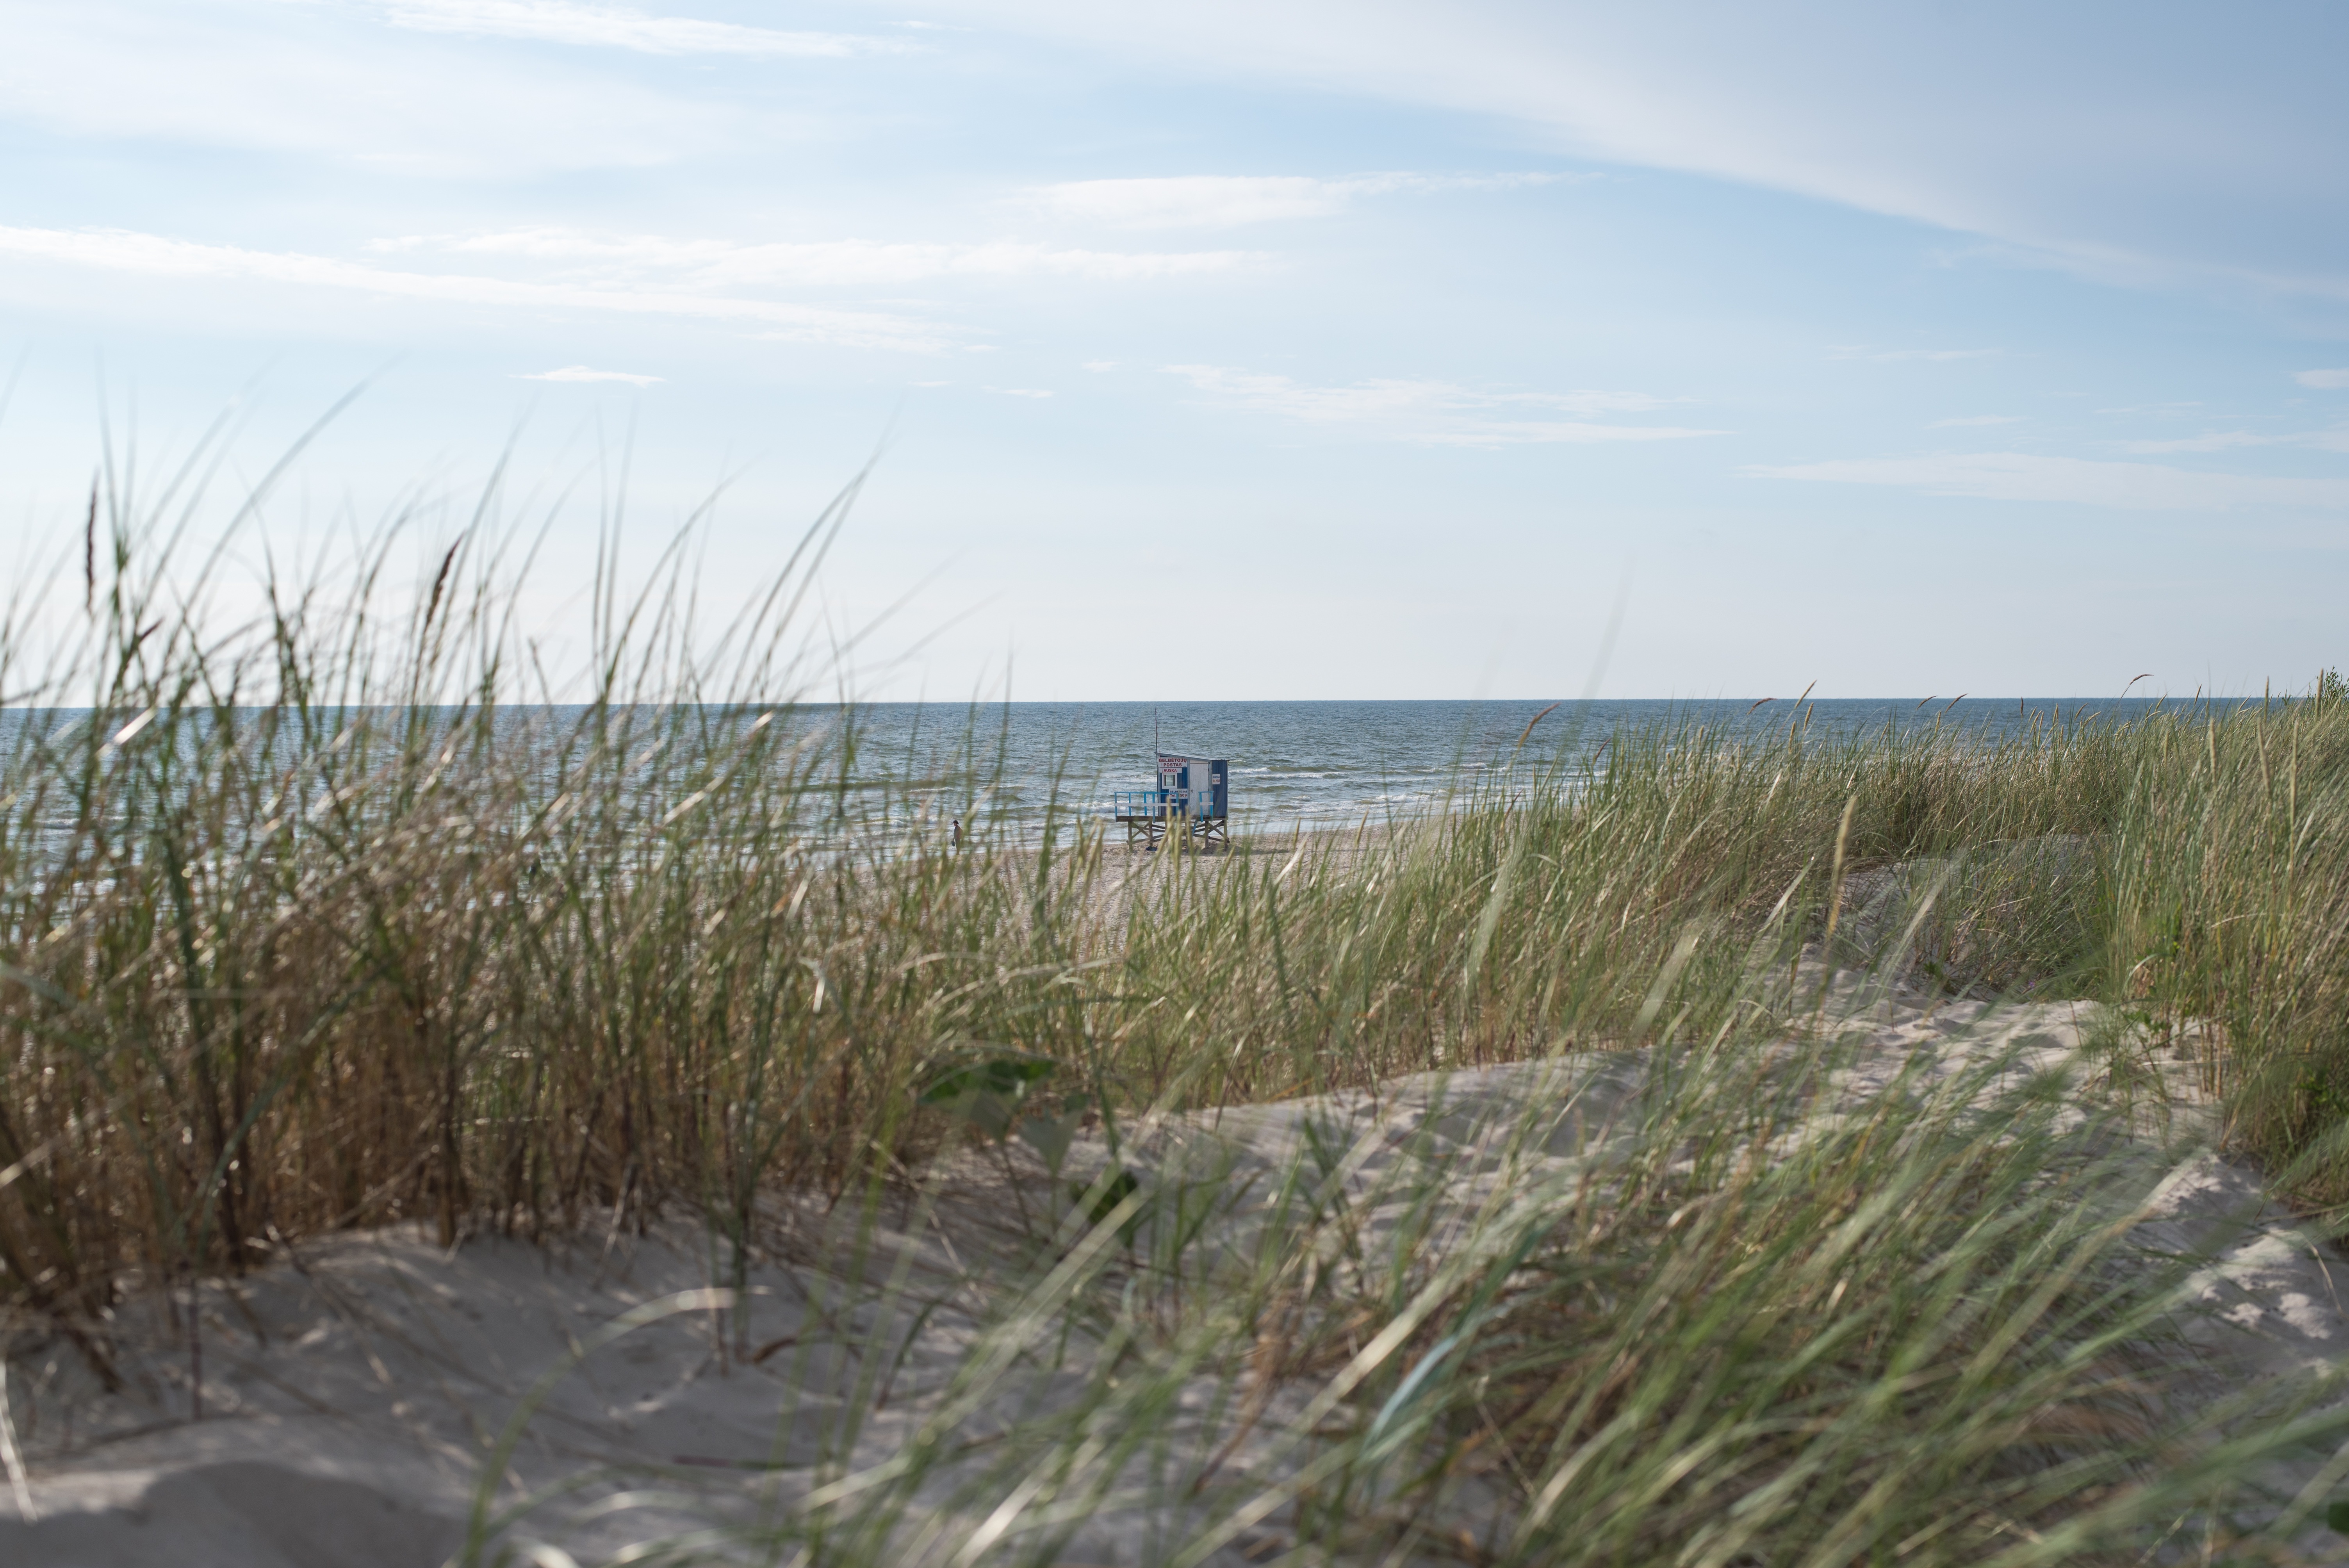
(351, 1392)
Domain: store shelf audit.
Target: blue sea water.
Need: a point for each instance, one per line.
(1335, 764)
(1292, 764)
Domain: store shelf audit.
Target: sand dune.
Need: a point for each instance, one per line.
(351, 1390)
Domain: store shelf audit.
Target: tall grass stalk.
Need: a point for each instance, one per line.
(335, 920)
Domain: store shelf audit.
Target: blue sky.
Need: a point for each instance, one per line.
(1318, 351)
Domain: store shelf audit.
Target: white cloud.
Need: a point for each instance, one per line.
(853, 264)
(2201, 149)
(2323, 380)
(1861, 351)
(153, 255)
(1221, 201)
(1549, 432)
(1015, 391)
(305, 83)
(645, 274)
(2019, 476)
(2335, 439)
(2211, 441)
(581, 373)
(1097, 366)
(1436, 413)
(614, 26)
(1978, 419)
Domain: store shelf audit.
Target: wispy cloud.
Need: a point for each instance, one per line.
(305, 85)
(1225, 200)
(2210, 441)
(2323, 380)
(1862, 351)
(618, 27)
(644, 276)
(1097, 366)
(581, 373)
(829, 263)
(153, 255)
(1977, 419)
(2335, 439)
(1437, 413)
(1016, 391)
(2020, 476)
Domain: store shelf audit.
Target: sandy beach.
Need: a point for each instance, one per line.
(353, 1391)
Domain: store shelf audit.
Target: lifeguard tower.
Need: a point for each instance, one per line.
(1193, 800)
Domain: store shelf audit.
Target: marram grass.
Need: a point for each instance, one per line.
(327, 922)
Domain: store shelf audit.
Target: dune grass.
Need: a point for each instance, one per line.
(1907, 1339)
(330, 921)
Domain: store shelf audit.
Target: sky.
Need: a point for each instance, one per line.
(1225, 352)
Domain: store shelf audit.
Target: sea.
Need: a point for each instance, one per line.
(1013, 767)
(1322, 764)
